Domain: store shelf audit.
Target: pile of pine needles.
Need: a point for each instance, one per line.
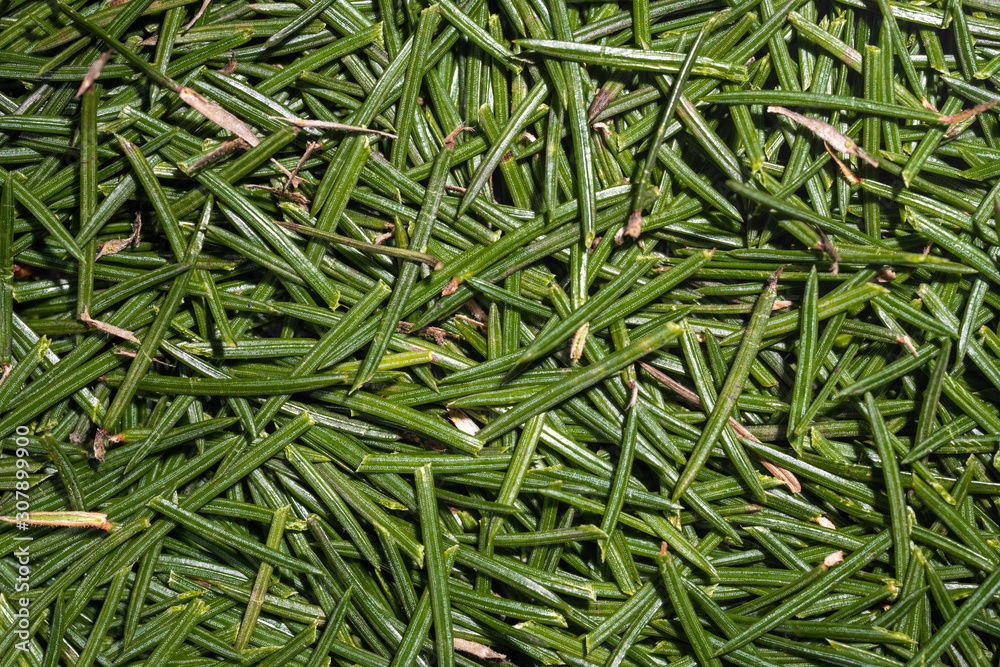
(522, 332)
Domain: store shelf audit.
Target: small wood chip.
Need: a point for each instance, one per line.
(462, 421)
(885, 276)
(281, 193)
(437, 334)
(632, 228)
(112, 247)
(785, 475)
(478, 313)
(833, 559)
(481, 651)
(117, 245)
(218, 115)
(633, 394)
(229, 67)
(579, 342)
(101, 440)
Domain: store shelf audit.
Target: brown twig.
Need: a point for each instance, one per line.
(969, 113)
(109, 329)
(827, 133)
(844, 169)
(198, 15)
(311, 147)
(449, 141)
(327, 125)
(786, 476)
(93, 72)
(225, 148)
